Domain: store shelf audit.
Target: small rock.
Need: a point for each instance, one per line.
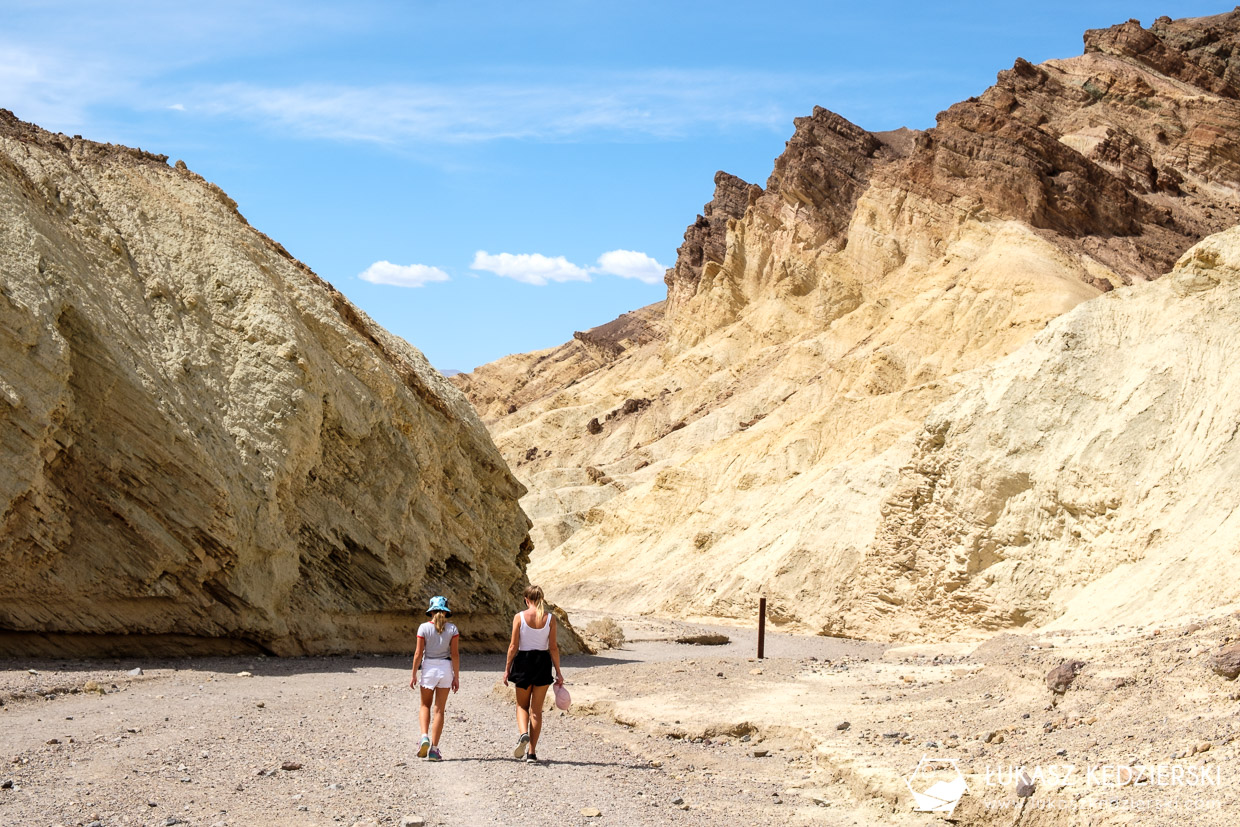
(135, 673)
(590, 812)
(1061, 677)
(261, 704)
(290, 766)
(1024, 785)
(1226, 661)
(245, 675)
(678, 801)
(412, 821)
(52, 741)
(761, 753)
(842, 725)
(7, 784)
(1204, 746)
(751, 671)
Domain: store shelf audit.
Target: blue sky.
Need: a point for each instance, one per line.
(503, 173)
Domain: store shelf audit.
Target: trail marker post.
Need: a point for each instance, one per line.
(761, 627)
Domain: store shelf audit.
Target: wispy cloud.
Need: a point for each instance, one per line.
(661, 104)
(529, 268)
(630, 264)
(406, 275)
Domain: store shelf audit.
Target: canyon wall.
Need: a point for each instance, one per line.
(206, 448)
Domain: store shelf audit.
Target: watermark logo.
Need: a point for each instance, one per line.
(937, 785)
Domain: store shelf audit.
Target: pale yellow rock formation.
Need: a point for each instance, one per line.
(1090, 478)
(755, 445)
(204, 447)
(796, 421)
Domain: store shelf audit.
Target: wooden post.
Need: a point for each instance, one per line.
(761, 627)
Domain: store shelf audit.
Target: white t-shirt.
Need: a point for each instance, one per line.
(438, 644)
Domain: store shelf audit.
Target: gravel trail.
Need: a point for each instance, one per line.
(318, 741)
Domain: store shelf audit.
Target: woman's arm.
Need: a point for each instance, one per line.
(554, 649)
(456, 663)
(417, 661)
(512, 646)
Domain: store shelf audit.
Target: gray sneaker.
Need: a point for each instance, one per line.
(522, 742)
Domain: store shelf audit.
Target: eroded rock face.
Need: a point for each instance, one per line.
(812, 326)
(1089, 477)
(706, 238)
(204, 447)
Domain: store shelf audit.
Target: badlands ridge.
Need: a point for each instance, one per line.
(887, 390)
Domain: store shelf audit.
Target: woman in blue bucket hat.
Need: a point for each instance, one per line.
(440, 659)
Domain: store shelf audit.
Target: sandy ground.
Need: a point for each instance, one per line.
(660, 733)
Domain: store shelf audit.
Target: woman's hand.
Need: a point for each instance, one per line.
(505, 677)
(559, 678)
(456, 683)
(413, 682)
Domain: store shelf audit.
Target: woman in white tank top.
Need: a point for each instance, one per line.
(532, 654)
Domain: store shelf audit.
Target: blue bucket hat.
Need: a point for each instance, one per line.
(439, 603)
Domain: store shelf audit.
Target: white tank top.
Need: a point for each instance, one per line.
(532, 638)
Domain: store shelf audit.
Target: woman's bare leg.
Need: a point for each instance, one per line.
(441, 705)
(523, 709)
(424, 714)
(538, 694)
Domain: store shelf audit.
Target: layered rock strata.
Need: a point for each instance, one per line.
(807, 336)
(206, 448)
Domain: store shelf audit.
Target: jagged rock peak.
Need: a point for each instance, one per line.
(1199, 52)
(705, 239)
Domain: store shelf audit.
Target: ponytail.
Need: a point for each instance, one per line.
(440, 620)
(535, 595)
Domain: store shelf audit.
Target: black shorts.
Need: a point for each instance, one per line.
(531, 667)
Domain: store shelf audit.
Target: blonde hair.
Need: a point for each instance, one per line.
(535, 595)
(440, 620)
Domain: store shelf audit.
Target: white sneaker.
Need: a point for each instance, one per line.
(519, 752)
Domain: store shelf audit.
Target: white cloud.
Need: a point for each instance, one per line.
(529, 268)
(177, 107)
(630, 264)
(408, 275)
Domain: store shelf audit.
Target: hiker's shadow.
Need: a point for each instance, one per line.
(555, 762)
